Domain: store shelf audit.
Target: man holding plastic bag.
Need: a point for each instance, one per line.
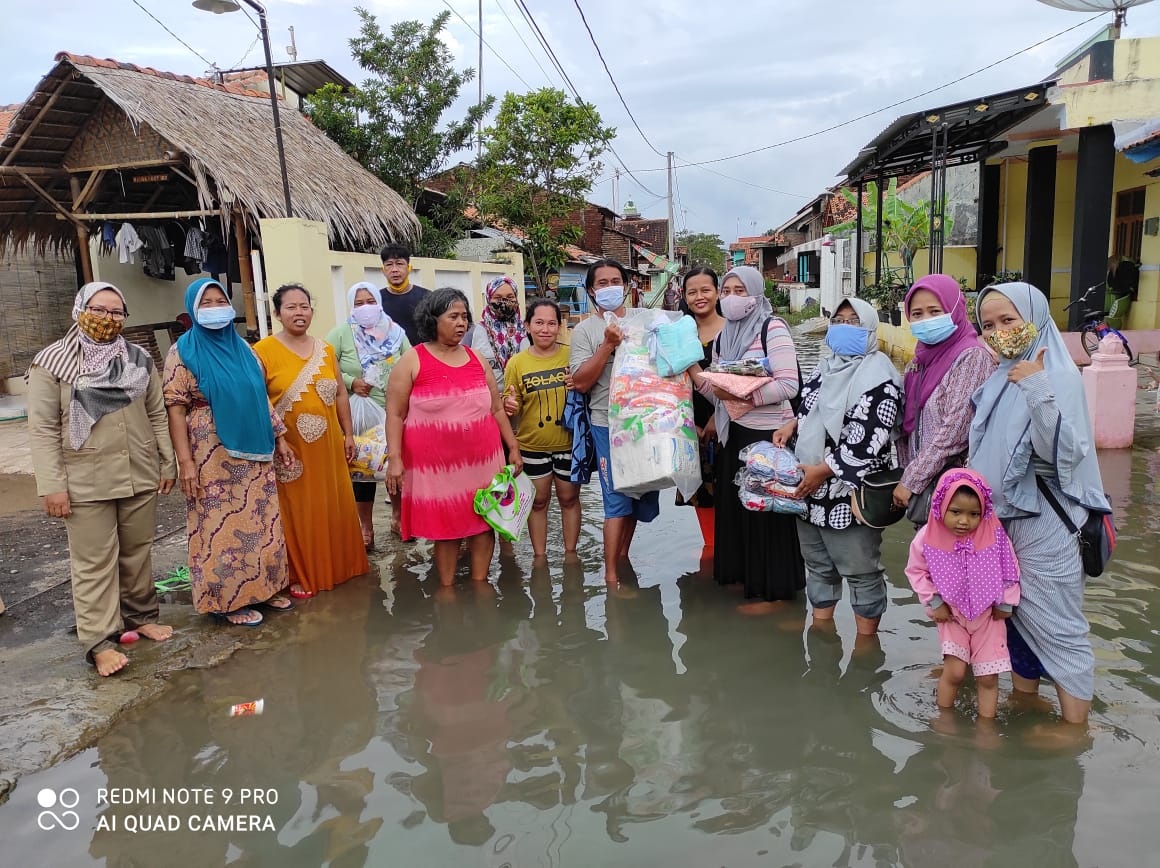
(630, 493)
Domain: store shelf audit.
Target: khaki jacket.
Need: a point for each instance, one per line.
(128, 452)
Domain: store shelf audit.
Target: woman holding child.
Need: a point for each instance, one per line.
(1031, 440)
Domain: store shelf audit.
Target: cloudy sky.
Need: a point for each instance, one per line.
(704, 80)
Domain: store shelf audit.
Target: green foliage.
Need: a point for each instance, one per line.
(1001, 277)
(391, 123)
(905, 227)
(540, 158)
(704, 249)
(777, 296)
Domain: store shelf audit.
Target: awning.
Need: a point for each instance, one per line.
(971, 127)
(1139, 142)
(791, 255)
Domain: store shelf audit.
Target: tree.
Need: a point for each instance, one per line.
(703, 249)
(905, 231)
(541, 156)
(391, 123)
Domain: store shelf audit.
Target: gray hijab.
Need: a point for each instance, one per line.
(1000, 439)
(845, 379)
(737, 335)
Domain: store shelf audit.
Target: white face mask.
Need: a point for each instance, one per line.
(735, 307)
(610, 297)
(366, 315)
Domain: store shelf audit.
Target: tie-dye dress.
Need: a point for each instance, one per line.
(451, 449)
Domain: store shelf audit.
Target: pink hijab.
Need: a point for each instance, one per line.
(931, 363)
(970, 573)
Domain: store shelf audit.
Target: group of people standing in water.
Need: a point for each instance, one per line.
(259, 438)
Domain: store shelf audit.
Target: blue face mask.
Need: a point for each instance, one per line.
(847, 340)
(215, 317)
(610, 297)
(934, 330)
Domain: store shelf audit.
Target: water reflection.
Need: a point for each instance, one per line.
(541, 720)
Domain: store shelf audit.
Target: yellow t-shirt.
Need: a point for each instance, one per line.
(539, 386)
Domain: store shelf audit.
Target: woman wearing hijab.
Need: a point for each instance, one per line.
(101, 454)
(501, 333)
(850, 409)
(758, 549)
(949, 365)
(1031, 438)
(368, 345)
(227, 440)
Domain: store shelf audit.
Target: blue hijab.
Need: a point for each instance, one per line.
(229, 376)
(1000, 439)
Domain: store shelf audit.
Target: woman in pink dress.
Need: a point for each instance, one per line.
(446, 433)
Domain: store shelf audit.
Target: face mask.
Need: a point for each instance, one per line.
(847, 340)
(737, 307)
(215, 317)
(610, 297)
(1013, 343)
(503, 309)
(934, 330)
(366, 315)
(97, 328)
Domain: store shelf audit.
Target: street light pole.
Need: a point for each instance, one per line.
(220, 6)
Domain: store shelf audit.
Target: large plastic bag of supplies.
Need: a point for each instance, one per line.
(650, 417)
(769, 479)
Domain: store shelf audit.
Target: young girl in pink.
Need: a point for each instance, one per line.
(963, 568)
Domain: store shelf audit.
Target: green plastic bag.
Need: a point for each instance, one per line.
(506, 503)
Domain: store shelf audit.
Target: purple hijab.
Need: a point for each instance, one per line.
(931, 363)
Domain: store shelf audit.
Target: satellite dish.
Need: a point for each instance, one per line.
(1120, 7)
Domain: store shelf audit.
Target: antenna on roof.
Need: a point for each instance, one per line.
(292, 48)
(214, 74)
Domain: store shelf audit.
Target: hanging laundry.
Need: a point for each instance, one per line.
(158, 253)
(194, 250)
(216, 260)
(108, 238)
(128, 242)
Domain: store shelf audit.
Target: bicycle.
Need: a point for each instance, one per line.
(1093, 328)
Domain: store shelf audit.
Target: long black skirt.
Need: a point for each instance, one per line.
(759, 549)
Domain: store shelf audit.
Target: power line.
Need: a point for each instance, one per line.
(196, 53)
(527, 47)
(704, 168)
(477, 35)
(615, 87)
(895, 105)
(521, 5)
(248, 50)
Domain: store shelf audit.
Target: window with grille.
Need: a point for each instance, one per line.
(1129, 226)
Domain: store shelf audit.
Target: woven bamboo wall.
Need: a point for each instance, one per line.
(36, 296)
(108, 137)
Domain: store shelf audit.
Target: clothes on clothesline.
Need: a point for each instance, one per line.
(165, 245)
(128, 243)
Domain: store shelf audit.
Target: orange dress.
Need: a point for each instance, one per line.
(323, 539)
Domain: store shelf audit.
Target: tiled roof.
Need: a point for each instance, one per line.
(109, 63)
(7, 113)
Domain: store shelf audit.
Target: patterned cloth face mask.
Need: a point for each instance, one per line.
(1013, 343)
(98, 328)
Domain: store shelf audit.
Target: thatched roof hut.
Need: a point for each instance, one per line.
(71, 151)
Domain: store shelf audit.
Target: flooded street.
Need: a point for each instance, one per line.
(542, 720)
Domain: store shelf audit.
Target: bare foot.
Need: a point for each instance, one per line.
(109, 662)
(156, 632)
(761, 607)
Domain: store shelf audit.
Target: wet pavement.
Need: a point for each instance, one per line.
(544, 720)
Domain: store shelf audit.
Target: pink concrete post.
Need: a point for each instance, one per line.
(1110, 387)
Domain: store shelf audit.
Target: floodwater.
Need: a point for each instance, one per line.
(542, 720)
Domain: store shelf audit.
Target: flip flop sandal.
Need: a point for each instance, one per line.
(272, 605)
(249, 614)
(300, 595)
(177, 580)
